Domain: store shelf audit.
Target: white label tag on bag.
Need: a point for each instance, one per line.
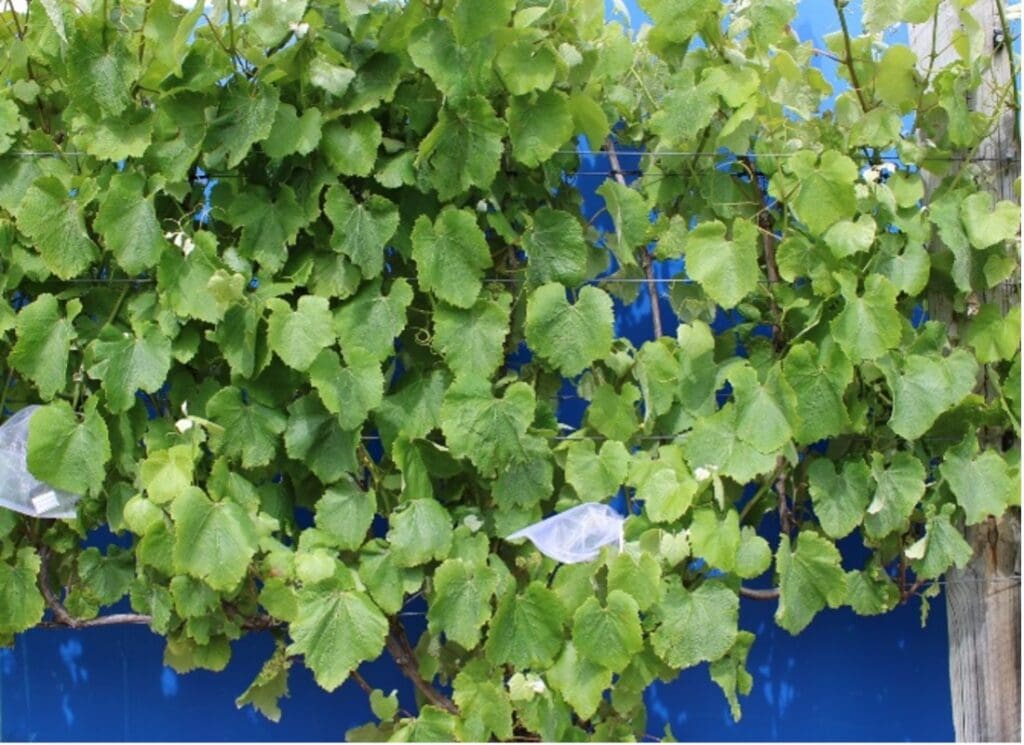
(45, 502)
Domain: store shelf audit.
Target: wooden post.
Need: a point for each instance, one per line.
(983, 600)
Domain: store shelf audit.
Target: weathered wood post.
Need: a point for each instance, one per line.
(983, 600)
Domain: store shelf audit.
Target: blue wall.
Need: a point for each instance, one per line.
(844, 678)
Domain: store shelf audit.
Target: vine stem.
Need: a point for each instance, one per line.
(402, 652)
(785, 516)
(766, 227)
(854, 79)
(1008, 46)
(652, 290)
(770, 593)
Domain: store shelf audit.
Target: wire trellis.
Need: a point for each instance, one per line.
(629, 153)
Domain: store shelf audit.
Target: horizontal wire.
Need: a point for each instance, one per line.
(1015, 579)
(621, 153)
(707, 153)
(497, 280)
(670, 438)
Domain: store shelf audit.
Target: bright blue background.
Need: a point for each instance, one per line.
(844, 678)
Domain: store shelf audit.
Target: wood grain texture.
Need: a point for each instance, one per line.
(983, 600)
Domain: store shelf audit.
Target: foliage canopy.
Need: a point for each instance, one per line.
(278, 259)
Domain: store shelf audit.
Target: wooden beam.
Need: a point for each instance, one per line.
(983, 600)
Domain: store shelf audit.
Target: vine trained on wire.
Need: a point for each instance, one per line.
(315, 238)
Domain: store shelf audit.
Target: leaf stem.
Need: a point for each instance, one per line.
(854, 79)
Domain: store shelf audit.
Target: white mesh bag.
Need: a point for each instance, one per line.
(20, 490)
(576, 535)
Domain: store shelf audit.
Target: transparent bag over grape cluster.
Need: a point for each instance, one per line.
(576, 535)
(20, 490)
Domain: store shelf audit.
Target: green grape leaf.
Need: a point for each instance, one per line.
(269, 226)
(462, 601)
(100, 74)
(314, 437)
(166, 473)
(292, 133)
(490, 431)
(525, 483)
(52, 218)
(810, 577)
(213, 541)
(840, 496)
(451, 256)
(251, 429)
(127, 221)
(270, 21)
(371, 320)
(596, 475)
(987, 226)
(896, 81)
(608, 635)
(898, 488)
(658, 372)
(569, 336)
(351, 147)
(269, 686)
(345, 512)
(43, 344)
(297, 336)
(666, 490)
(927, 387)
(870, 593)
(696, 626)
(19, 594)
(826, 194)
(819, 378)
(421, 531)
(760, 419)
(848, 237)
(384, 707)
(994, 336)
(472, 340)
(981, 483)
(362, 230)
(244, 117)
(631, 216)
(869, 324)
(526, 66)
(581, 683)
(463, 149)
(185, 283)
(754, 555)
(726, 269)
(473, 20)
(730, 672)
(714, 539)
(484, 705)
(126, 363)
(527, 629)
(555, 249)
(350, 392)
(457, 71)
(67, 453)
(713, 444)
(538, 125)
(638, 575)
(941, 548)
(336, 631)
(613, 413)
